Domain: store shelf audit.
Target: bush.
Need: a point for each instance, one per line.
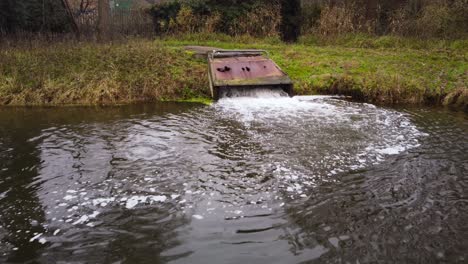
(439, 19)
(335, 21)
(33, 16)
(163, 15)
(339, 20)
(442, 19)
(262, 21)
(310, 17)
(258, 18)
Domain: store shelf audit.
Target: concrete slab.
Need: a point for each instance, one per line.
(201, 52)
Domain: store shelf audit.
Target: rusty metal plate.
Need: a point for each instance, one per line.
(252, 70)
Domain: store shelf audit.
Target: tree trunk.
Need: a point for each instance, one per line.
(74, 25)
(290, 20)
(104, 19)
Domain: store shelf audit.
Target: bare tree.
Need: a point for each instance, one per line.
(70, 15)
(291, 20)
(84, 5)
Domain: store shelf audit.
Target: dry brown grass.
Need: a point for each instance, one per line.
(458, 98)
(92, 73)
(260, 22)
(142, 70)
(436, 19)
(341, 20)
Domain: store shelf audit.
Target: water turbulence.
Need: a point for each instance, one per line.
(266, 92)
(262, 178)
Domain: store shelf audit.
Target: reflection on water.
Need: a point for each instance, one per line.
(260, 180)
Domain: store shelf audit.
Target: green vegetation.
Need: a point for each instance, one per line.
(88, 73)
(217, 16)
(424, 19)
(200, 100)
(33, 16)
(386, 70)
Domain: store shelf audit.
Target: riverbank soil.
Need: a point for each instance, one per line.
(154, 70)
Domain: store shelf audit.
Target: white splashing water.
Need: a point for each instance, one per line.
(345, 135)
(265, 104)
(253, 93)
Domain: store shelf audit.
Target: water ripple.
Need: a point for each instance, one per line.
(282, 180)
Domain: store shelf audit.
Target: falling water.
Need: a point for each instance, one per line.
(253, 93)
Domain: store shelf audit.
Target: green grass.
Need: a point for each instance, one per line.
(387, 74)
(360, 40)
(200, 100)
(385, 70)
(92, 74)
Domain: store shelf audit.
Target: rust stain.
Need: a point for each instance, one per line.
(245, 68)
(237, 70)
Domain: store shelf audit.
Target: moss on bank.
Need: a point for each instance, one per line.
(198, 100)
(143, 70)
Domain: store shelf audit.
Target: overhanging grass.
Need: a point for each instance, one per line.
(199, 100)
(143, 70)
(88, 73)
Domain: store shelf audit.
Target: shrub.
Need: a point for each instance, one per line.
(186, 20)
(163, 15)
(339, 20)
(255, 17)
(335, 20)
(437, 19)
(262, 21)
(310, 17)
(33, 16)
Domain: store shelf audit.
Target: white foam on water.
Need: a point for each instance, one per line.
(263, 109)
(103, 201)
(35, 237)
(313, 121)
(391, 150)
(198, 217)
(69, 197)
(135, 200)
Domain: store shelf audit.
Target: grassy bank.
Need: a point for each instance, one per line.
(90, 73)
(380, 70)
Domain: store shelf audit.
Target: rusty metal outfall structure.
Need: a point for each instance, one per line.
(245, 69)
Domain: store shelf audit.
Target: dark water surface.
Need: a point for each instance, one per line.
(273, 180)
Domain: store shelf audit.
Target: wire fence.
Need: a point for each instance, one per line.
(122, 22)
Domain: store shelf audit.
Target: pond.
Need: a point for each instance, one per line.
(254, 180)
